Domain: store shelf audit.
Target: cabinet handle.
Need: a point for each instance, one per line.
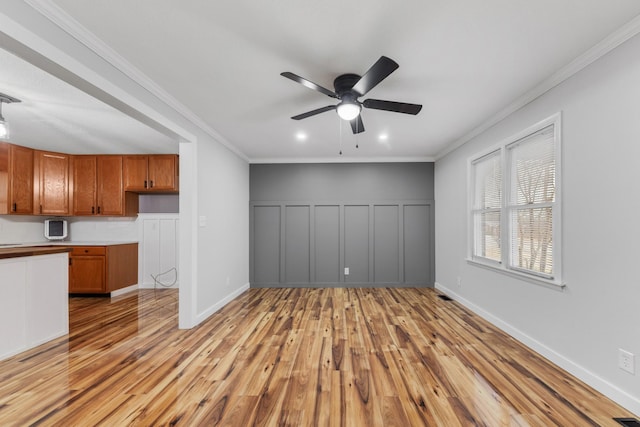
(93, 210)
(98, 209)
(145, 183)
(40, 208)
(14, 207)
(151, 186)
(70, 260)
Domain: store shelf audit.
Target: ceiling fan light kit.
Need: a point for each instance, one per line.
(4, 126)
(348, 110)
(349, 87)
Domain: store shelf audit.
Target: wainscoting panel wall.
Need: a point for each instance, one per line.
(342, 225)
(356, 243)
(305, 245)
(158, 250)
(327, 244)
(417, 237)
(386, 248)
(266, 242)
(296, 244)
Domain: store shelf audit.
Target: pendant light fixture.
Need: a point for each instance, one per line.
(4, 126)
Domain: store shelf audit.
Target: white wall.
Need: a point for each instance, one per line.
(205, 284)
(20, 229)
(223, 238)
(108, 229)
(581, 327)
(30, 229)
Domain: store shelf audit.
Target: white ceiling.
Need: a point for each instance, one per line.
(464, 60)
(56, 116)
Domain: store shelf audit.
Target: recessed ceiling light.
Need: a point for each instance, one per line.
(383, 137)
(301, 136)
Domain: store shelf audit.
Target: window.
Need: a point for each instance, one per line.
(487, 206)
(515, 207)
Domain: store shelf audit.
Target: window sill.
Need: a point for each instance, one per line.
(553, 284)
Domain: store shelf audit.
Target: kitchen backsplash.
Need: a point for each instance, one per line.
(27, 229)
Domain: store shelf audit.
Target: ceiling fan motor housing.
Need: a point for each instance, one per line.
(344, 83)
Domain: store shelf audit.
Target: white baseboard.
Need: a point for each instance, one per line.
(218, 305)
(122, 291)
(614, 393)
(153, 286)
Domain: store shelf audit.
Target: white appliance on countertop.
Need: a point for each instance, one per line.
(55, 228)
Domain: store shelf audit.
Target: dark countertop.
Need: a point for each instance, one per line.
(23, 251)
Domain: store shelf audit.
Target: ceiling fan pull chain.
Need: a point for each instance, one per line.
(340, 127)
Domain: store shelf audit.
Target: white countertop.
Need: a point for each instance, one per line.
(64, 243)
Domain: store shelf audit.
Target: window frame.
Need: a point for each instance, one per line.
(508, 207)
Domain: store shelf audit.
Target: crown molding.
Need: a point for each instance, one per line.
(615, 39)
(72, 27)
(340, 159)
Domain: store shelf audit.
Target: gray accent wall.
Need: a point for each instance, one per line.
(308, 222)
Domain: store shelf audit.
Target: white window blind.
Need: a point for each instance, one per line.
(531, 202)
(514, 204)
(487, 205)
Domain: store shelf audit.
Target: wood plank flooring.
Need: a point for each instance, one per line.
(298, 357)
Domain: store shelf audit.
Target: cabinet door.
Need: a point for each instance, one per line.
(5, 195)
(85, 185)
(87, 274)
(162, 173)
(135, 173)
(52, 181)
(20, 180)
(110, 192)
(122, 266)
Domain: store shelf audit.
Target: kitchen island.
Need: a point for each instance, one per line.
(33, 296)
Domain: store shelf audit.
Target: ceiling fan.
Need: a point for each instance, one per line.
(349, 87)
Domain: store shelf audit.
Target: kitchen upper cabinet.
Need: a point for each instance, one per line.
(16, 179)
(85, 188)
(98, 187)
(36, 182)
(152, 173)
(51, 183)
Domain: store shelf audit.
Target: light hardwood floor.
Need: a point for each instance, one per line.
(340, 357)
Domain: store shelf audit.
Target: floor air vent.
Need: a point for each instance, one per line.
(628, 422)
(445, 297)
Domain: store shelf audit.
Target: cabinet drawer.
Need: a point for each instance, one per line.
(88, 250)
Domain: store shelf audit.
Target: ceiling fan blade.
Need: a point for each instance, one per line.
(356, 125)
(396, 107)
(314, 112)
(377, 73)
(309, 84)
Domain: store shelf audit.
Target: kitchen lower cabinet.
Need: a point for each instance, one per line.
(102, 269)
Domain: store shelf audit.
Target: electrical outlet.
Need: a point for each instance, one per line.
(459, 281)
(346, 271)
(626, 361)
